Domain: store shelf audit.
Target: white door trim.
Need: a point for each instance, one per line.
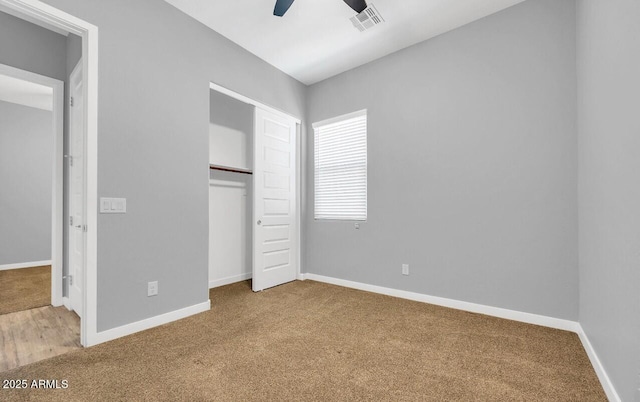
(52, 16)
(299, 192)
(57, 176)
(257, 104)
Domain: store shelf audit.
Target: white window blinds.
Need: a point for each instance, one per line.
(341, 167)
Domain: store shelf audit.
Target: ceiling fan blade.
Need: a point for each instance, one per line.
(357, 5)
(281, 7)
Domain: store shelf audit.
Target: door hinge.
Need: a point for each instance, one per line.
(70, 280)
(71, 101)
(71, 221)
(70, 160)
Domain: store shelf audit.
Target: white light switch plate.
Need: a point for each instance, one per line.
(113, 205)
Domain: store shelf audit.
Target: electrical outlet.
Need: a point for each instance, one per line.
(405, 269)
(152, 289)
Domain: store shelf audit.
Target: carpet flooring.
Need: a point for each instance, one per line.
(24, 289)
(314, 341)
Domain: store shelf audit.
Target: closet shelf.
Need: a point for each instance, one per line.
(230, 169)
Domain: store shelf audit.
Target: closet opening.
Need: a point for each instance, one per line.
(254, 187)
(230, 185)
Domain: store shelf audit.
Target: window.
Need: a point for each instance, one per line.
(341, 167)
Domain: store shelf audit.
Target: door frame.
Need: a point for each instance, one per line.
(235, 95)
(57, 240)
(55, 18)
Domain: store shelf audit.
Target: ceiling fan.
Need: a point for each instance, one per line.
(283, 5)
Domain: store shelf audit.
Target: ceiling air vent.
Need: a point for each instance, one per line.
(367, 19)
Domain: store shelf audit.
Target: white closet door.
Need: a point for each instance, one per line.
(275, 248)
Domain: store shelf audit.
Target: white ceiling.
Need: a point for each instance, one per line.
(25, 93)
(315, 39)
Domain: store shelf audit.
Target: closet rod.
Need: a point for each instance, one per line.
(230, 169)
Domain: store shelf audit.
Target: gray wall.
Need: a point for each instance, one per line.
(472, 165)
(26, 157)
(29, 47)
(155, 67)
(609, 150)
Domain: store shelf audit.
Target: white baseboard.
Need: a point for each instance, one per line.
(609, 389)
(148, 323)
(529, 318)
(24, 265)
(451, 303)
(229, 280)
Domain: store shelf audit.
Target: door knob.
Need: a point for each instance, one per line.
(259, 222)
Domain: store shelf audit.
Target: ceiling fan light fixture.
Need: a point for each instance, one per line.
(357, 5)
(282, 6)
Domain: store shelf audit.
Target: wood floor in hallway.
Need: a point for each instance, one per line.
(37, 334)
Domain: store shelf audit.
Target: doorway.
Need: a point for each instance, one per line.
(36, 105)
(48, 17)
(31, 175)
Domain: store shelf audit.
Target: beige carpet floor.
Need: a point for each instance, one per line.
(313, 341)
(24, 289)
